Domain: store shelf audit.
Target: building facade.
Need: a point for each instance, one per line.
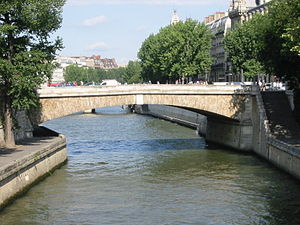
(220, 23)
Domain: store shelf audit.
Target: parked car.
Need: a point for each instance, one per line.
(53, 84)
(237, 83)
(110, 82)
(91, 84)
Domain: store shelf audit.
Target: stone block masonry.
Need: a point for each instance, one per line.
(248, 135)
(20, 168)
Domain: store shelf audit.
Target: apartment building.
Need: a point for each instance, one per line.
(220, 23)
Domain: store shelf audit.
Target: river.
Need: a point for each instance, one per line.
(131, 169)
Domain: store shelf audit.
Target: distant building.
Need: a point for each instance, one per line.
(63, 62)
(95, 62)
(98, 63)
(219, 24)
(175, 18)
(216, 16)
(243, 10)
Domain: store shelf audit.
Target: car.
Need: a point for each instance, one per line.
(91, 84)
(110, 82)
(236, 83)
(53, 84)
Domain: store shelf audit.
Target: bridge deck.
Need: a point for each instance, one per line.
(51, 92)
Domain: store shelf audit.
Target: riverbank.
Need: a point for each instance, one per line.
(32, 160)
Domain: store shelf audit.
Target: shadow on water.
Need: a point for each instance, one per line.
(136, 145)
(113, 110)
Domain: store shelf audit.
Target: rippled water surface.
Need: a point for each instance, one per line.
(131, 169)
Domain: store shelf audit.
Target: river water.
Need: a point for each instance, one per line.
(130, 169)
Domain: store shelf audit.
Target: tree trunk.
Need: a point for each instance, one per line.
(9, 137)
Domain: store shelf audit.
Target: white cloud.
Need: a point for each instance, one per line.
(99, 46)
(146, 2)
(140, 28)
(94, 21)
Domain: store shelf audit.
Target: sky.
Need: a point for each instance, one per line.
(117, 28)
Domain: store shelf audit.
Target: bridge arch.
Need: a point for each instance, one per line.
(229, 101)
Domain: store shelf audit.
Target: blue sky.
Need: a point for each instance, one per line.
(117, 28)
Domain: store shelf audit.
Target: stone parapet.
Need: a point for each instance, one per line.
(59, 92)
(284, 156)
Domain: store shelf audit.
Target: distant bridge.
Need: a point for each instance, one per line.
(228, 101)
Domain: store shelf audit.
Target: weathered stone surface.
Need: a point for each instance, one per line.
(22, 167)
(226, 101)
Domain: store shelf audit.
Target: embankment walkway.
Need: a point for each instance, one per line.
(26, 164)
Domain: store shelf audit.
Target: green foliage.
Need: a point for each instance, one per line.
(75, 73)
(133, 72)
(292, 36)
(116, 74)
(252, 68)
(243, 45)
(269, 42)
(130, 74)
(26, 53)
(281, 40)
(177, 51)
(78, 74)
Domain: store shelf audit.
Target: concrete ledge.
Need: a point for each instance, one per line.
(22, 167)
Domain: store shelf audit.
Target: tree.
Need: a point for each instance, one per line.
(26, 54)
(78, 74)
(280, 52)
(116, 74)
(75, 73)
(292, 36)
(243, 46)
(177, 51)
(133, 72)
(270, 41)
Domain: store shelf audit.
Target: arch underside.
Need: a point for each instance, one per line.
(229, 106)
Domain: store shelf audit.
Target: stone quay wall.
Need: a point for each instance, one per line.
(279, 153)
(176, 115)
(233, 134)
(29, 163)
(255, 134)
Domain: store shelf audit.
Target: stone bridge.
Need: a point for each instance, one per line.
(228, 109)
(219, 101)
